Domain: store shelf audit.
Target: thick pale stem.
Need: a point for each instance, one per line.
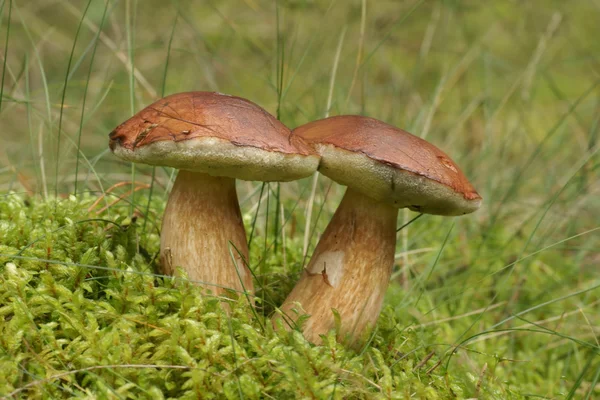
(349, 270)
(202, 228)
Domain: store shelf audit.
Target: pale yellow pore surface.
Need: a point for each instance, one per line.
(218, 157)
(393, 185)
(349, 270)
(201, 219)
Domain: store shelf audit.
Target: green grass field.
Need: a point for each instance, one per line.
(500, 304)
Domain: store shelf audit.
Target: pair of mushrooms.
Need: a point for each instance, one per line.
(214, 139)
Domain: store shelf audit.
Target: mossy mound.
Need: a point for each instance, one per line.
(83, 315)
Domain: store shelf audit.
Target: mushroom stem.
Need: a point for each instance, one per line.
(349, 270)
(202, 227)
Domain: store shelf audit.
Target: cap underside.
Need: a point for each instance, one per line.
(390, 184)
(218, 157)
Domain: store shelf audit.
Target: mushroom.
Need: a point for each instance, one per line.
(212, 139)
(384, 169)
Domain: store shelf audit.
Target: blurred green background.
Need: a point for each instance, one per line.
(509, 89)
(481, 80)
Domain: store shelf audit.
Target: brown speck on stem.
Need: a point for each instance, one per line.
(324, 274)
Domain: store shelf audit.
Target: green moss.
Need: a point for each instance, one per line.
(83, 313)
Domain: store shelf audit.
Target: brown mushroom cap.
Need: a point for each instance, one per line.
(390, 165)
(216, 134)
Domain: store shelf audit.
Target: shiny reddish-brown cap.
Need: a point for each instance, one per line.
(390, 165)
(214, 133)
